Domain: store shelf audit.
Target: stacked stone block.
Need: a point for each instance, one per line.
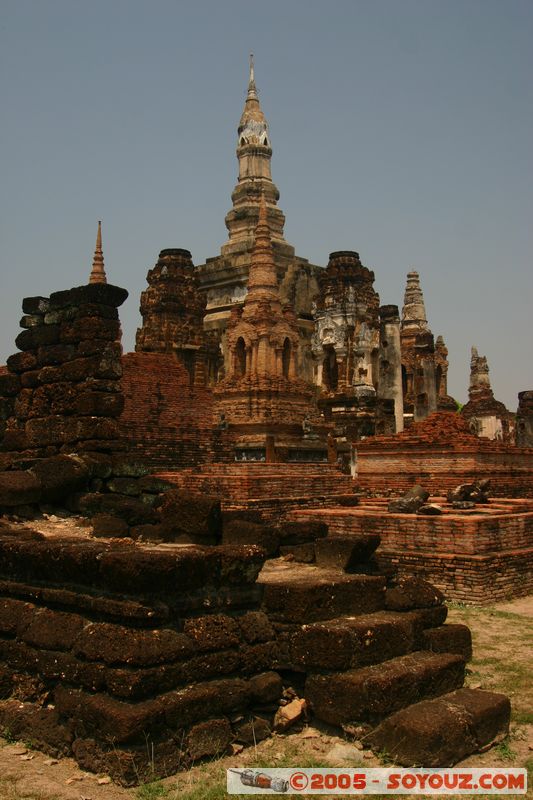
(61, 393)
(136, 661)
(140, 660)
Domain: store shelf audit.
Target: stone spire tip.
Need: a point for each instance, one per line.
(252, 88)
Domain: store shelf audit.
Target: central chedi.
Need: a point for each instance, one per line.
(268, 409)
(225, 277)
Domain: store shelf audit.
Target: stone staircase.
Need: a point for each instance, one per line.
(373, 650)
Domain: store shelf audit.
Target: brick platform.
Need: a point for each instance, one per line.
(474, 557)
(271, 489)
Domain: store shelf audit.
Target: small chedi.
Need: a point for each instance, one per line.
(202, 541)
(486, 416)
(424, 364)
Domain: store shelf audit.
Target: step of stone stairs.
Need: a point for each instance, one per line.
(357, 641)
(297, 592)
(440, 732)
(372, 693)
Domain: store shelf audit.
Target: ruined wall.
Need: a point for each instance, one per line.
(169, 421)
(239, 483)
(441, 453)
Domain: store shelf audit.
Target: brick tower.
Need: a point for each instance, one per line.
(487, 417)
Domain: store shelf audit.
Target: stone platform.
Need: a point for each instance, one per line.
(479, 555)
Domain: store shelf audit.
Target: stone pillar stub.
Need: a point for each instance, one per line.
(390, 361)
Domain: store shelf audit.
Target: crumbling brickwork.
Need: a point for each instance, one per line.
(61, 393)
(441, 453)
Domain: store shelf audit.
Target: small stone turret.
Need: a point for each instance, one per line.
(421, 376)
(414, 309)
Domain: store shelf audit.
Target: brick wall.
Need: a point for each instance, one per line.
(169, 422)
(470, 579)
(241, 482)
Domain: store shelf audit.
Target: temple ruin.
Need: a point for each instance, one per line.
(228, 489)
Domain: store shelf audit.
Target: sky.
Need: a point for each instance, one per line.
(402, 129)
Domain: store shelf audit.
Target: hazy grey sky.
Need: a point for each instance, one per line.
(402, 129)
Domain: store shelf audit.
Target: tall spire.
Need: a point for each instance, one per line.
(254, 153)
(253, 127)
(414, 311)
(98, 272)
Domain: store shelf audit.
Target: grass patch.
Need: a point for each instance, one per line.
(385, 758)
(523, 717)
(505, 750)
(152, 791)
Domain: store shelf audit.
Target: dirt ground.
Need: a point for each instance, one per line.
(503, 647)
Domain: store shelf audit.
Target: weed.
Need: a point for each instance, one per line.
(505, 751)
(8, 736)
(385, 758)
(523, 717)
